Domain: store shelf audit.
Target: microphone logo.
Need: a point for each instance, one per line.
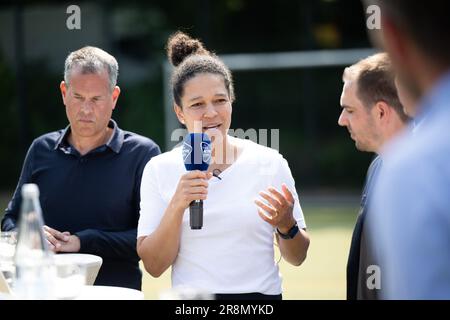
(196, 151)
(187, 150)
(206, 154)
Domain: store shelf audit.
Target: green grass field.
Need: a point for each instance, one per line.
(321, 276)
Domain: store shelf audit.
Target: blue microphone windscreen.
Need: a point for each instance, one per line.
(196, 151)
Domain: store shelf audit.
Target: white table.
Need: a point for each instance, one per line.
(109, 293)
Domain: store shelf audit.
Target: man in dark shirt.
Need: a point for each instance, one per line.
(89, 174)
(373, 115)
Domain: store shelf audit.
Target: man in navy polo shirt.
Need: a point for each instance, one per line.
(89, 174)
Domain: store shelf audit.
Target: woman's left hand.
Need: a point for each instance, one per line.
(279, 210)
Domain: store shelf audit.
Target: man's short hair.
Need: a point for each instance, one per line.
(92, 60)
(375, 80)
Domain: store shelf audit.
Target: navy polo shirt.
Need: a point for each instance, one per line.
(95, 196)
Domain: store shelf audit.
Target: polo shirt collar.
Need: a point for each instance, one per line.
(114, 143)
(116, 140)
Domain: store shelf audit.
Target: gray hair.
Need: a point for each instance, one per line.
(92, 60)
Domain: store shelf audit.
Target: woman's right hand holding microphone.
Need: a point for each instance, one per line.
(192, 186)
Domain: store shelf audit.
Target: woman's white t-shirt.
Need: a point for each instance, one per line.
(234, 251)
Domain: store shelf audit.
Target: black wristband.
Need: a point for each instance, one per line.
(291, 233)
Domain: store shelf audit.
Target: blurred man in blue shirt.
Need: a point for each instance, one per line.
(89, 174)
(411, 224)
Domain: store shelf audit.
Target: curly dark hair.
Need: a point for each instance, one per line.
(190, 58)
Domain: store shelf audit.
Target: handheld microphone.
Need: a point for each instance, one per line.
(196, 156)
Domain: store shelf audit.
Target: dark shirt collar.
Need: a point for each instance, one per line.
(115, 142)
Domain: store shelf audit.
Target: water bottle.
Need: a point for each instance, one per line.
(35, 270)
